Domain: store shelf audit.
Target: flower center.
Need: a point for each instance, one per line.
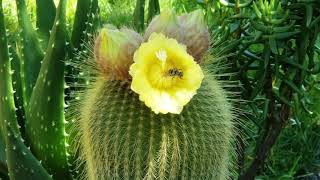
(165, 74)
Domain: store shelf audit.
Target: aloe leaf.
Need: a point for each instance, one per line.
(5, 91)
(7, 107)
(31, 52)
(80, 21)
(45, 123)
(17, 87)
(93, 21)
(153, 9)
(22, 164)
(46, 12)
(85, 25)
(15, 60)
(95, 15)
(138, 16)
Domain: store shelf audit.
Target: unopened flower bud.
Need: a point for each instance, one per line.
(195, 33)
(165, 23)
(113, 51)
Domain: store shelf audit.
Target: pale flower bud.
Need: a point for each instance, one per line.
(195, 33)
(165, 23)
(113, 51)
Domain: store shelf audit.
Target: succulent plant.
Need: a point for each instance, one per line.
(142, 106)
(44, 106)
(170, 119)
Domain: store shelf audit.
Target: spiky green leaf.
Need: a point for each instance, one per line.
(138, 16)
(17, 87)
(79, 26)
(22, 164)
(153, 9)
(7, 107)
(46, 12)
(31, 62)
(45, 124)
(92, 23)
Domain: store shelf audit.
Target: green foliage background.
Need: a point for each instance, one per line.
(274, 53)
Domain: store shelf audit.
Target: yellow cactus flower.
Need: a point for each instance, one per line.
(164, 75)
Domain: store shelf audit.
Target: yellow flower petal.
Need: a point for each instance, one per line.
(164, 75)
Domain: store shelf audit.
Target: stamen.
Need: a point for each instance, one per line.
(162, 56)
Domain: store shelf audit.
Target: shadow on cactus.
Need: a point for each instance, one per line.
(150, 108)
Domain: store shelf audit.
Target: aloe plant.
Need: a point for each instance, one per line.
(112, 130)
(20, 161)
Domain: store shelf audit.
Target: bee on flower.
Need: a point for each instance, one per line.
(164, 69)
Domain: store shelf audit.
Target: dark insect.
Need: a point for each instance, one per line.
(175, 73)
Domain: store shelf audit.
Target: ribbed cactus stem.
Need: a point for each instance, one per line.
(121, 138)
